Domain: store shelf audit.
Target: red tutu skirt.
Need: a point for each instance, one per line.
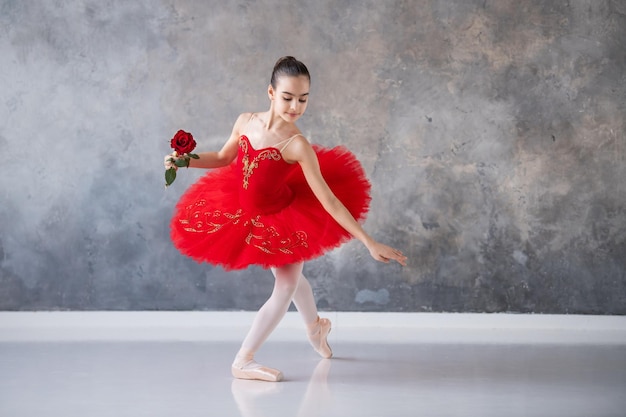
(215, 222)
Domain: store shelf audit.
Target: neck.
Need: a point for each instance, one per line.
(274, 121)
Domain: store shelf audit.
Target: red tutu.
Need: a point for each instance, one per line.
(260, 210)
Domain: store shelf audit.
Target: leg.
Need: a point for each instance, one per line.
(285, 285)
(317, 329)
(304, 301)
(269, 315)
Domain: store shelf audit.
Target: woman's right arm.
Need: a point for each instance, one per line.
(228, 153)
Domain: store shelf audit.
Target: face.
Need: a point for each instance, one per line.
(290, 97)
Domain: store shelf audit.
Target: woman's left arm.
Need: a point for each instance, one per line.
(300, 150)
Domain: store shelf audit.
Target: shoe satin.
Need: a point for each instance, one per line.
(319, 339)
(253, 370)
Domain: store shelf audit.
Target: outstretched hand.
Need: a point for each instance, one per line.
(384, 253)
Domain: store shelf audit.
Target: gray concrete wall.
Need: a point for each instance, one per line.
(493, 133)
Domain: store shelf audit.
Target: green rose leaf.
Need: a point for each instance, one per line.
(170, 176)
(194, 156)
(182, 162)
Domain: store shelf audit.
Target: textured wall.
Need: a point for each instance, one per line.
(493, 133)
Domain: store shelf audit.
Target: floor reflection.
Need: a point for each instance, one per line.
(251, 397)
(130, 379)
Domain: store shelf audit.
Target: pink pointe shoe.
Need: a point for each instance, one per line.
(318, 336)
(253, 370)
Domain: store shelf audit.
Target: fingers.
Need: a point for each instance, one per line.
(398, 260)
(169, 161)
(384, 253)
(396, 255)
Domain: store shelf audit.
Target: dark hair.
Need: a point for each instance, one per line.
(289, 66)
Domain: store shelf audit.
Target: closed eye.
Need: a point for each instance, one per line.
(289, 99)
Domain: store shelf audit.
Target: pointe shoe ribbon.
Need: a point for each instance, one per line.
(253, 370)
(318, 336)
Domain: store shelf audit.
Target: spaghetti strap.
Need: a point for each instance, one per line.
(288, 141)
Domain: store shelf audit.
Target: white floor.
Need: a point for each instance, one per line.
(177, 364)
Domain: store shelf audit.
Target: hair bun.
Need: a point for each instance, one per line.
(285, 59)
(288, 65)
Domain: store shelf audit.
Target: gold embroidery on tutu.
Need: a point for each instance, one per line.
(285, 245)
(248, 167)
(269, 241)
(266, 239)
(199, 221)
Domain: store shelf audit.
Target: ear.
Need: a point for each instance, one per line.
(270, 92)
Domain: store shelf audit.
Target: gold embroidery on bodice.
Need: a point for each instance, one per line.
(249, 167)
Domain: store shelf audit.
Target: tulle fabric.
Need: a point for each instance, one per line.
(214, 223)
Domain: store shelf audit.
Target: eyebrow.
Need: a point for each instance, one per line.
(292, 94)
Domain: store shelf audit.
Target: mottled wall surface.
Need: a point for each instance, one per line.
(493, 133)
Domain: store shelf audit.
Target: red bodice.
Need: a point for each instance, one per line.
(263, 187)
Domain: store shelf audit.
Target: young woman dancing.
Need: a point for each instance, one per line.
(275, 201)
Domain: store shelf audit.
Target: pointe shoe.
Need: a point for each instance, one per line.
(318, 336)
(253, 370)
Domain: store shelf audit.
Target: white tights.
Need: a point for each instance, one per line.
(289, 285)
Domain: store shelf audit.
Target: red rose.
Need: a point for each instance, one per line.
(183, 142)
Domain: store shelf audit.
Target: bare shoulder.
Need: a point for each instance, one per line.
(243, 119)
(299, 149)
(299, 143)
(240, 123)
(299, 140)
